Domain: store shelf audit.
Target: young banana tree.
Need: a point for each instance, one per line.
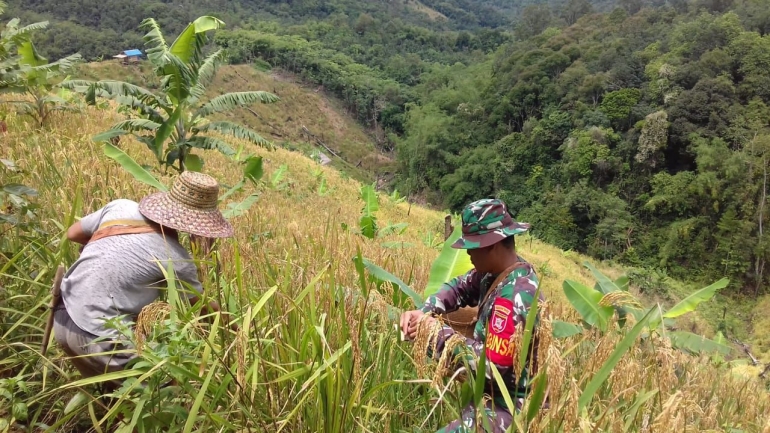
(37, 78)
(177, 119)
(15, 47)
(24, 71)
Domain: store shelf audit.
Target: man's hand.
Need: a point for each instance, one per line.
(409, 321)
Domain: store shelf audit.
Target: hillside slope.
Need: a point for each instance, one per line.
(305, 115)
(297, 239)
(305, 119)
(305, 108)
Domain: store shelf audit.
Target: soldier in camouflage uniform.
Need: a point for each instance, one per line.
(488, 236)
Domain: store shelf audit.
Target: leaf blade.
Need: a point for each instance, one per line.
(696, 343)
(614, 358)
(386, 276)
(132, 167)
(691, 302)
(450, 263)
(561, 329)
(586, 302)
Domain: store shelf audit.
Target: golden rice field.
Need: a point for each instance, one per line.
(309, 357)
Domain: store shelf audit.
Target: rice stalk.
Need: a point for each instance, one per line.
(149, 317)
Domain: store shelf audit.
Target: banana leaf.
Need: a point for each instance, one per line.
(450, 263)
(689, 303)
(586, 302)
(132, 167)
(368, 221)
(562, 329)
(605, 285)
(694, 343)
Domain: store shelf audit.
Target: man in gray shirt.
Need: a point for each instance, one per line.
(127, 248)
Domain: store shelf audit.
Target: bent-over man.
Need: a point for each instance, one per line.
(127, 245)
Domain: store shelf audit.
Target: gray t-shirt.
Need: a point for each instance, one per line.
(119, 275)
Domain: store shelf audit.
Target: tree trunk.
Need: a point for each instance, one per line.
(448, 229)
(759, 264)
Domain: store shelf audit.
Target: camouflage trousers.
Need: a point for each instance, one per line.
(499, 420)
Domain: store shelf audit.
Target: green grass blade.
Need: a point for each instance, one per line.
(630, 414)
(191, 417)
(529, 326)
(481, 375)
(617, 354)
(331, 360)
(538, 394)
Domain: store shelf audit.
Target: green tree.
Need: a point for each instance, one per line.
(37, 78)
(176, 121)
(587, 154)
(653, 139)
(617, 106)
(533, 20)
(575, 9)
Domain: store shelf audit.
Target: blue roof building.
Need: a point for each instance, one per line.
(132, 55)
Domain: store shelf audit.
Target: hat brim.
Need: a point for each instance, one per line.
(470, 242)
(159, 207)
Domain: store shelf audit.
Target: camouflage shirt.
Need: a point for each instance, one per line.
(503, 314)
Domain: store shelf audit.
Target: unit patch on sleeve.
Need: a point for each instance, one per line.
(501, 328)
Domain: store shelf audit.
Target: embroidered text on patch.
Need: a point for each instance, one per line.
(501, 328)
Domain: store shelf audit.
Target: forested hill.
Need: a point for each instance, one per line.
(642, 138)
(103, 28)
(639, 135)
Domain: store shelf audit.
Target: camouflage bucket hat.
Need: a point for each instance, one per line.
(487, 222)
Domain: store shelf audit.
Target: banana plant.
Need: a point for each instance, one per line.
(24, 71)
(177, 120)
(368, 221)
(37, 78)
(12, 38)
(597, 305)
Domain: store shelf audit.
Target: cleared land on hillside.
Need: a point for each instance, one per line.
(305, 119)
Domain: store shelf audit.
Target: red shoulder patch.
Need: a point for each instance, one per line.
(499, 332)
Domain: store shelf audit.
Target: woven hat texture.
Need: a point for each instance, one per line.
(190, 206)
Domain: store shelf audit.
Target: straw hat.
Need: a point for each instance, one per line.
(190, 206)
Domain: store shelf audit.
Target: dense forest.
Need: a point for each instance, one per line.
(635, 131)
